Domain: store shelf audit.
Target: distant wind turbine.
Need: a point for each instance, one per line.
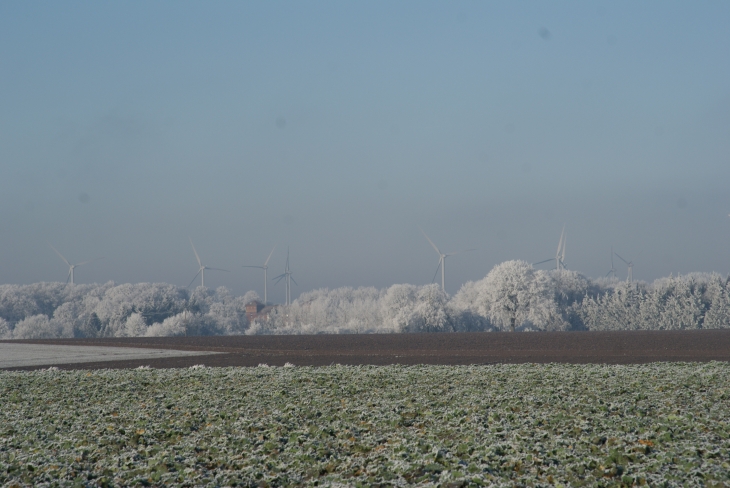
(201, 270)
(630, 264)
(287, 274)
(612, 271)
(560, 254)
(442, 261)
(71, 266)
(264, 267)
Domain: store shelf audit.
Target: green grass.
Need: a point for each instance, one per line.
(531, 425)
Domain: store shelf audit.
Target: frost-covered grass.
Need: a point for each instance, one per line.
(532, 425)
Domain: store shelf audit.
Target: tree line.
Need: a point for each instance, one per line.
(513, 296)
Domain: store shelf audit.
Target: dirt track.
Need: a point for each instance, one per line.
(625, 347)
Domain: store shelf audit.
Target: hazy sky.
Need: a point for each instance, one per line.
(340, 128)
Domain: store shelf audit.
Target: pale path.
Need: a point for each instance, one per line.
(14, 355)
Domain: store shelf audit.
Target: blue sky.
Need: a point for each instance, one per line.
(340, 128)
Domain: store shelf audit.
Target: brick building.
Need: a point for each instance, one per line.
(257, 310)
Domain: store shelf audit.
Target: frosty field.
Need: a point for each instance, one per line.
(532, 425)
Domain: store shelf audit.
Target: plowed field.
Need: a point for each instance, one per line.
(625, 347)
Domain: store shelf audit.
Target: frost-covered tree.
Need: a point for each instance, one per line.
(568, 289)
(718, 297)
(5, 331)
(513, 294)
(74, 316)
(410, 308)
(615, 310)
(153, 301)
(341, 310)
(691, 301)
(399, 307)
(432, 313)
(39, 327)
(251, 296)
(177, 325)
(18, 302)
(226, 314)
(134, 326)
(110, 310)
(676, 303)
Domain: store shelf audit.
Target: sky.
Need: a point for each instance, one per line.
(340, 129)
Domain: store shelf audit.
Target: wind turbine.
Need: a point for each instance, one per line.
(613, 269)
(560, 254)
(442, 261)
(630, 264)
(264, 267)
(287, 274)
(72, 266)
(201, 270)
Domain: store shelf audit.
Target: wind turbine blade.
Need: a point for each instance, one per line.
(437, 270)
(612, 258)
(272, 252)
(69, 276)
(609, 273)
(560, 243)
(293, 280)
(459, 252)
(545, 261)
(196, 275)
(64, 259)
(218, 269)
(278, 278)
(244, 266)
(565, 241)
(622, 259)
(90, 261)
(196, 252)
(432, 244)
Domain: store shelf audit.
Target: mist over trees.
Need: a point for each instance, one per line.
(512, 297)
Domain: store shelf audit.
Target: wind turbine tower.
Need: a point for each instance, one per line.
(630, 265)
(612, 271)
(71, 267)
(264, 267)
(560, 254)
(442, 260)
(201, 270)
(287, 274)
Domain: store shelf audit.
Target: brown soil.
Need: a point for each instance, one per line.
(624, 347)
